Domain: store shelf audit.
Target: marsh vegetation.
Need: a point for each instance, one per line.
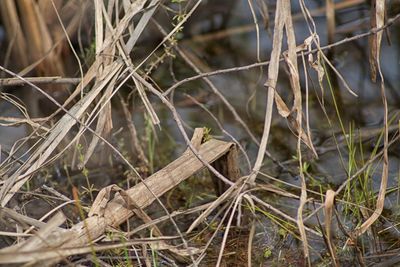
(199, 133)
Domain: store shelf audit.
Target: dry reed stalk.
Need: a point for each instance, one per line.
(16, 38)
(36, 160)
(273, 70)
(104, 122)
(330, 19)
(291, 61)
(377, 20)
(112, 71)
(109, 73)
(283, 19)
(111, 43)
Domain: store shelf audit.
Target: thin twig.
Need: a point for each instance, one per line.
(39, 80)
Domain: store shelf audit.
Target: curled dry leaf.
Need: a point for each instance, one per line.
(329, 205)
(283, 109)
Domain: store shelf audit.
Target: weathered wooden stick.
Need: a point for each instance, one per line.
(116, 211)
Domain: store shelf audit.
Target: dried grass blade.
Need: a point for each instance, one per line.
(34, 257)
(282, 214)
(99, 36)
(104, 122)
(40, 239)
(181, 252)
(377, 21)
(226, 195)
(141, 90)
(99, 29)
(291, 60)
(281, 106)
(21, 219)
(146, 102)
(380, 12)
(329, 205)
(54, 138)
(111, 38)
(135, 8)
(144, 20)
(273, 70)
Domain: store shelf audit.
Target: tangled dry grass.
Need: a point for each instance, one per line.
(131, 222)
